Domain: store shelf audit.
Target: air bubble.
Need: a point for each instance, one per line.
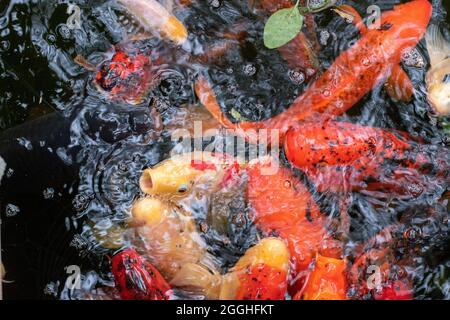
(215, 3)
(4, 45)
(412, 58)
(413, 233)
(297, 77)
(9, 173)
(80, 202)
(287, 184)
(78, 242)
(317, 4)
(123, 166)
(64, 31)
(25, 143)
(415, 189)
(324, 36)
(12, 210)
(51, 38)
(52, 289)
(249, 70)
(48, 193)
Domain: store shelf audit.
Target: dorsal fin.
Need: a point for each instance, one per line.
(132, 26)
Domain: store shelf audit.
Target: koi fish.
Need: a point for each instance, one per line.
(126, 77)
(261, 274)
(395, 290)
(398, 85)
(282, 206)
(371, 61)
(176, 176)
(181, 255)
(438, 77)
(341, 155)
(175, 247)
(171, 238)
(137, 279)
(391, 281)
(337, 143)
(153, 17)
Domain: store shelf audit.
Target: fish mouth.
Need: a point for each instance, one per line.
(146, 182)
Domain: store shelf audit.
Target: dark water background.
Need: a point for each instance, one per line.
(106, 145)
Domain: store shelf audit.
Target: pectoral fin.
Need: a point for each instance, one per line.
(399, 85)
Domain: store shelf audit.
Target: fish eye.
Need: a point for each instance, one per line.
(183, 188)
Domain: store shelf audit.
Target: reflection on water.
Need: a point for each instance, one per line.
(78, 215)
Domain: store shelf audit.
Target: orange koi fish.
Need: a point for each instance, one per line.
(371, 61)
(341, 155)
(282, 206)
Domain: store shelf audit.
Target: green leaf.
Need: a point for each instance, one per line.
(282, 27)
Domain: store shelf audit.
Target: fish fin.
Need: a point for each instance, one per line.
(350, 14)
(251, 4)
(168, 4)
(82, 62)
(399, 85)
(299, 54)
(207, 97)
(199, 279)
(438, 47)
(140, 36)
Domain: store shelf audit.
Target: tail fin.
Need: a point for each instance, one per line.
(198, 279)
(438, 47)
(207, 97)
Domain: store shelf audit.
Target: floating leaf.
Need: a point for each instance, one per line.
(282, 27)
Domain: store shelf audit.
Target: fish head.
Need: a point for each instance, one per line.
(438, 87)
(439, 97)
(406, 24)
(126, 77)
(150, 211)
(137, 279)
(261, 273)
(178, 175)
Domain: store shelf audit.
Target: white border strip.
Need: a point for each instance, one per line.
(2, 172)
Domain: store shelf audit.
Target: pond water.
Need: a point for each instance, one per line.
(75, 153)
